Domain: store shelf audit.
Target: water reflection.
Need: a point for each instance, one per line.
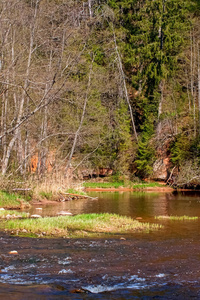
(138, 204)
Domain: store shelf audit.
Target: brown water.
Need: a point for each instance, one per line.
(159, 265)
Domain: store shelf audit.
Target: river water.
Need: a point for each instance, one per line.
(159, 265)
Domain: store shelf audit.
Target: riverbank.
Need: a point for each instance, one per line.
(12, 201)
(127, 187)
(51, 194)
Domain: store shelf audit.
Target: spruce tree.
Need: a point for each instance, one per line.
(154, 36)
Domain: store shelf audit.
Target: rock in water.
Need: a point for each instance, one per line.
(13, 252)
(36, 216)
(8, 216)
(64, 213)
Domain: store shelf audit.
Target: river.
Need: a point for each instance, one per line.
(156, 265)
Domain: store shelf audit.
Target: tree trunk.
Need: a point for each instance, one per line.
(125, 87)
(81, 121)
(21, 104)
(198, 55)
(90, 8)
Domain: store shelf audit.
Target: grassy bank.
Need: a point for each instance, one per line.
(11, 200)
(77, 192)
(15, 193)
(80, 226)
(122, 184)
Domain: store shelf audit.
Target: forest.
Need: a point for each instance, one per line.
(98, 87)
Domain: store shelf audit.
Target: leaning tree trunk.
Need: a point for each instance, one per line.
(125, 87)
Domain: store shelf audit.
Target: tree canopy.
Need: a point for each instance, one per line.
(98, 84)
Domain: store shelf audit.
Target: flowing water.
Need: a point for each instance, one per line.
(159, 265)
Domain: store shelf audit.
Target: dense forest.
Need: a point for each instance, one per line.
(91, 86)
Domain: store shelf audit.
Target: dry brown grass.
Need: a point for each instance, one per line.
(51, 185)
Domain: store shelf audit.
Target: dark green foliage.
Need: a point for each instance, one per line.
(125, 148)
(155, 33)
(180, 149)
(116, 150)
(185, 148)
(146, 152)
(99, 55)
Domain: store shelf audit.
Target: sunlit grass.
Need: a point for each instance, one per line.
(47, 195)
(73, 191)
(176, 218)
(103, 184)
(122, 184)
(85, 225)
(147, 185)
(8, 200)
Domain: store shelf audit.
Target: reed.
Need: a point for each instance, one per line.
(49, 186)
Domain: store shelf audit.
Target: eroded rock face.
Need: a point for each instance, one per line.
(105, 172)
(161, 169)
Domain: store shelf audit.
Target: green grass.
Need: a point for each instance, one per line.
(122, 184)
(47, 195)
(103, 184)
(73, 191)
(176, 218)
(147, 185)
(85, 225)
(9, 200)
